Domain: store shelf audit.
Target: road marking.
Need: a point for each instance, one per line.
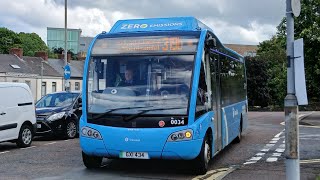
(50, 143)
(260, 154)
(264, 150)
(282, 146)
(255, 159)
(280, 150)
(272, 159)
(215, 174)
(29, 147)
(278, 135)
(4, 152)
(276, 154)
(309, 161)
(66, 140)
(275, 139)
(273, 142)
(250, 162)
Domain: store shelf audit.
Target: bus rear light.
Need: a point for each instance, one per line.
(91, 133)
(183, 135)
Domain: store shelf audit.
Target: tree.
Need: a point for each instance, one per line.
(257, 78)
(31, 43)
(8, 40)
(307, 26)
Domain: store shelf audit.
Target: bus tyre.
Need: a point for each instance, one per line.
(238, 138)
(25, 136)
(91, 161)
(203, 159)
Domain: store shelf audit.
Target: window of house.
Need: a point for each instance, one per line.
(77, 86)
(43, 88)
(54, 87)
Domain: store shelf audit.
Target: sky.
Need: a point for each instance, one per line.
(233, 21)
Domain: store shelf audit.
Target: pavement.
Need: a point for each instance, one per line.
(309, 127)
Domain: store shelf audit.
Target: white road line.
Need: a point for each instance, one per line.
(269, 145)
(283, 141)
(276, 136)
(260, 154)
(50, 143)
(276, 154)
(275, 139)
(264, 150)
(4, 152)
(272, 159)
(280, 150)
(282, 146)
(66, 140)
(273, 142)
(255, 159)
(310, 161)
(250, 162)
(29, 147)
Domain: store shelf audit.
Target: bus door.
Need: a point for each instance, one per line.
(216, 100)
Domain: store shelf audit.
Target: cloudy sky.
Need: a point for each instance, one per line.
(234, 21)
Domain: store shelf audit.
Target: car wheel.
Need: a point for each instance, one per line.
(203, 159)
(25, 136)
(71, 129)
(91, 161)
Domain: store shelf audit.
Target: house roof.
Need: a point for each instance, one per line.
(242, 49)
(35, 64)
(75, 66)
(7, 62)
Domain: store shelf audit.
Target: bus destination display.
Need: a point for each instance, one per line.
(145, 44)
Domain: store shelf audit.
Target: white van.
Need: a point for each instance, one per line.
(17, 114)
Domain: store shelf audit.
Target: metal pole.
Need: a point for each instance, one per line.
(65, 42)
(41, 77)
(291, 106)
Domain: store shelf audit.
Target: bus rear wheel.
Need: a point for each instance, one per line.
(91, 161)
(203, 159)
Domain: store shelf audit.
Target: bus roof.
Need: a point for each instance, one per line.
(158, 24)
(163, 24)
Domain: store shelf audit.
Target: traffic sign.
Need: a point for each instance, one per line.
(67, 72)
(296, 7)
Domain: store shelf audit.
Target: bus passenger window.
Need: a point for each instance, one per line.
(201, 93)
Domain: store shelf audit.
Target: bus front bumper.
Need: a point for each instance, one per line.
(182, 150)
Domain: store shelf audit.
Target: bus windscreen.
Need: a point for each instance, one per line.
(145, 44)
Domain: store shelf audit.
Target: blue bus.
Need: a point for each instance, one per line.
(161, 88)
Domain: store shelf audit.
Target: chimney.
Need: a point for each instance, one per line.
(42, 54)
(17, 51)
(61, 56)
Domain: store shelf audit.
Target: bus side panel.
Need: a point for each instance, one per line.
(231, 116)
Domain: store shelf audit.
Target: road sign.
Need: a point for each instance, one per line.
(67, 72)
(296, 7)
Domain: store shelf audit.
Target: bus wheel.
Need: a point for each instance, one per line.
(238, 138)
(91, 161)
(203, 159)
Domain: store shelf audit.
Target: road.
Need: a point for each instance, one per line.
(260, 153)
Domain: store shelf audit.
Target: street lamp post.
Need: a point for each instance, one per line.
(290, 102)
(65, 42)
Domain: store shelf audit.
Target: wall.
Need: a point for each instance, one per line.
(49, 81)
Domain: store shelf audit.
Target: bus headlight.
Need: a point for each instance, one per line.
(183, 135)
(90, 133)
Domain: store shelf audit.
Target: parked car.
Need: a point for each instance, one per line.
(17, 114)
(59, 114)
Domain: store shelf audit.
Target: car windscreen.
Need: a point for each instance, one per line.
(57, 100)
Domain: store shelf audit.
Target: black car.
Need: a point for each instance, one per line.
(59, 114)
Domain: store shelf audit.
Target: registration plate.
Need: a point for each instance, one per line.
(39, 126)
(134, 155)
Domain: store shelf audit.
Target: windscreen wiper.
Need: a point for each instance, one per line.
(115, 109)
(145, 111)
